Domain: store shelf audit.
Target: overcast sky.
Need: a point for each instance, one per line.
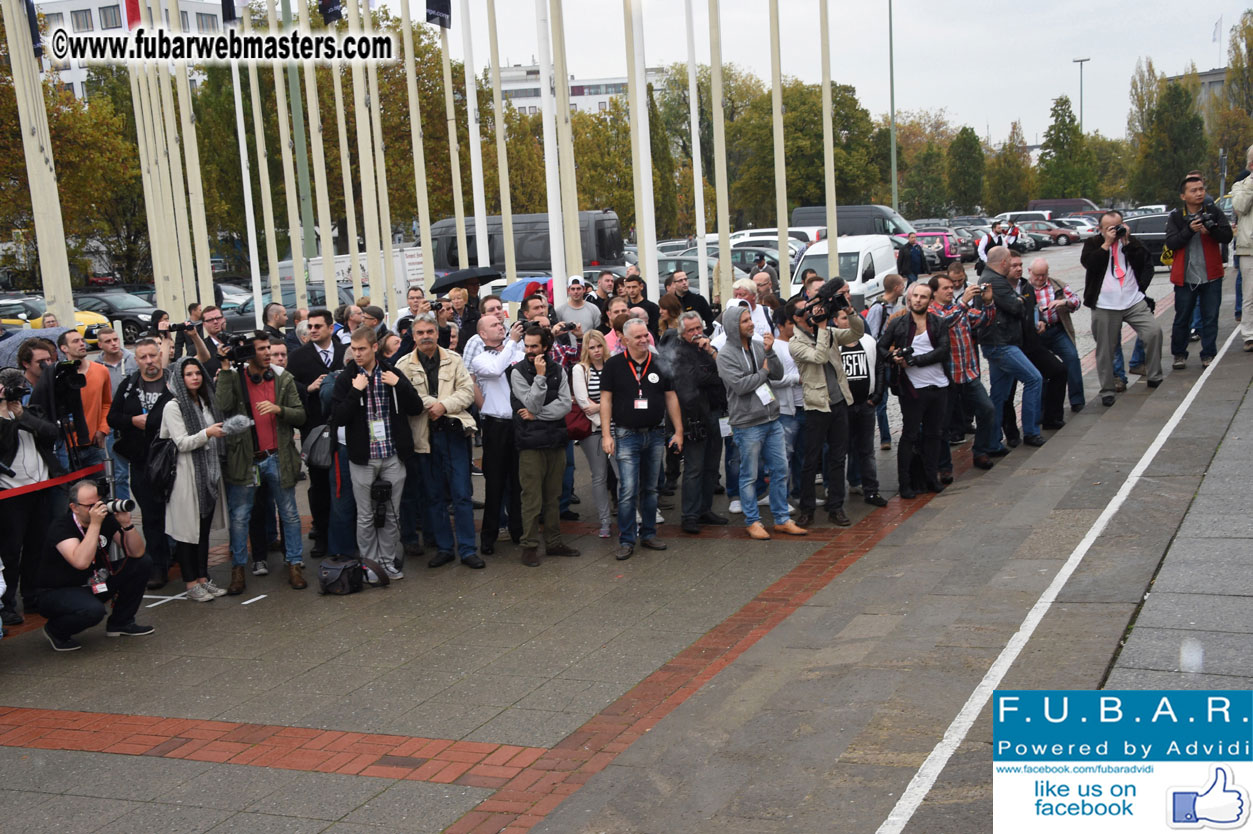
(985, 65)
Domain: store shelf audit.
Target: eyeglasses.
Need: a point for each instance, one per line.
(212, 320)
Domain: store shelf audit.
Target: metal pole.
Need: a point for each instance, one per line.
(698, 178)
(552, 180)
(892, 107)
(645, 211)
(720, 152)
(633, 107)
(244, 165)
(295, 233)
(828, 127)
(345, 167)
(263, 174)
(1080, 62)
(502, 157)
(780, 173)
(454, 155)
(419, 154)
(195, 186)
(300, 148)
(388, 288)
(178, 191)
(167, 231)
(325, 241)
(145, 170)
(477, 189)
(565, 145)
(365, 157)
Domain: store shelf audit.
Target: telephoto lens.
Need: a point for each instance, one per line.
(120, 505)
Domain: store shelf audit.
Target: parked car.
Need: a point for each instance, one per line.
(861, 260)
(242, 319)
(1150, 229)
(930, 222)
(969, 243)
(146, 292)
(969, 220)
(18, 310)
(1062, 206)
(943, 242)
(134, 313)
(1085, 227)
(855, 220)
(1060, 235)
(593, 275)
(933, 258)
(672, 247)
(688, 263)
(1019, 216)
(805, 234)
(744, 257)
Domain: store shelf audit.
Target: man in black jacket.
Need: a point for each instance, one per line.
(373, 403)
(702, 398)
(1196, 233)
(1002, 347)
(1051, 368)
(691, 301)
(309, 364)
(1117, 271)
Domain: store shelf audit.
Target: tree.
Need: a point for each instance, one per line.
(1146, 87)
(1173, 145)
(1112, 159)
(925, 192)
(602, 150)
(1010, 180)
(1232, 132)
(665, 197)
(1238, 86)
(1067, 167)
(881, 158)
(965, 171)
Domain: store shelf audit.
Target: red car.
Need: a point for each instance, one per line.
(944, 243)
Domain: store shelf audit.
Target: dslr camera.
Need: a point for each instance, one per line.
(906, 353)
(240, 347)
(1203, 215)
(826, 303)
(119, 505)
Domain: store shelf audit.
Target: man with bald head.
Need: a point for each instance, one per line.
(500, 454)
(1002, 347)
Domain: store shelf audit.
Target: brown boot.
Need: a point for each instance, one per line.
(237, 582)
(530, 557)
(296, 576)
(560, 550)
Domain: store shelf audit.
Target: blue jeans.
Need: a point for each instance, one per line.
(733, 470)
(239, 501)
(1239, 288)
(762, 443)
(1007, 363)
(341, 531)
(791, 430)
(411, 516)
(445, 474)
(1137, 359)
(1059, 342)
(881, 414)
(121, 470)
(639, 454)
(87, 455)
(1209, 297)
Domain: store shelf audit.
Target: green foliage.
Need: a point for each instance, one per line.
(1173, 144)
(1010, 180)
(1239, 84)
(1112, 159)
(925, 193)
(1146, 87)
(965, 171)
(1067, 167)
(665, 196)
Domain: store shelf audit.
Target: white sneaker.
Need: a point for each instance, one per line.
(199, 593)
(260, 569)
(392, 573)
(763, 501)
(735, 507)
(213, 589)
(854, 489)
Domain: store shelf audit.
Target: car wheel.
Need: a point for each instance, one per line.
(130, 332)
(1063, 240)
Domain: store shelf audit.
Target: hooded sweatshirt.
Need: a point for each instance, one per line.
(750, 400)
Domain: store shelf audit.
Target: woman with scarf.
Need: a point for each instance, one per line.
(192, 420)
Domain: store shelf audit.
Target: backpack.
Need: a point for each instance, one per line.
(318, 447)
(162, 467)
(347, 575)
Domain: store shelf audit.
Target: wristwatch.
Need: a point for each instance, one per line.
(128, 528)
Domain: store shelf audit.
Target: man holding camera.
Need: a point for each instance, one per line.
(1117, 271)
(490, 367)
(701, 399)
(96, 395)
(78, 576)
(1002, 347)
(267, 452)
(973, 308)
(1196, 233)
(815, 346)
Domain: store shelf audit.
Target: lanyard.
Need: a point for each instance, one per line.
(639, 381)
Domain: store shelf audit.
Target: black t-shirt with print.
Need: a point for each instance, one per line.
(857, 369)
(619, 380)
(54, 570)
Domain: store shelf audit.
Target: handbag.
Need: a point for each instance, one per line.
(578, 426)
(348, 575)
(161, 467)
(317, 448)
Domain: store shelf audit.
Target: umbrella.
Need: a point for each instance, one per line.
(519, 290)
(16, 336)
(482, 274)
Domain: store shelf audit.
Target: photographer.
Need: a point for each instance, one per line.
(917, 346)
(77, 576)
(1195, 234)
(815, 346)
(26, 459)
(1117, 271)
(95, 392)
(266, 453)
(701, 399)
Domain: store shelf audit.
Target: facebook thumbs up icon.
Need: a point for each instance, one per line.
(1221, 805)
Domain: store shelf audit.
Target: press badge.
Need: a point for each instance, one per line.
(765, 394)
(99, 581)
(641, 405)
(724, 426)
(378, 431)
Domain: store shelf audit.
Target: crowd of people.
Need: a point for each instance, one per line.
(759, 398)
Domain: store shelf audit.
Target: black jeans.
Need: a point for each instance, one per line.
(193, 559)
(25, 520)
(153, 510)
(1053, 400)
(700, 469)
(861, 444)
(319, 504)
(500, 480)
(71, 610)
(829, 428)
(925, 414)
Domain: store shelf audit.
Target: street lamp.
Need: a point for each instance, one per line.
(1081, 62)
(892, 106)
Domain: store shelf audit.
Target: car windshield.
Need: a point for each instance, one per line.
(821, 265)
(124, 301)
(35, 307)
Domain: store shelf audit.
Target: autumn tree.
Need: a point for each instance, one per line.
(1146, 86)
(965, 164)
(1173, 145)
(925, 193)
(1112, 160)
(1010, 180)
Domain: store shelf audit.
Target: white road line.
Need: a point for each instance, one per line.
(163, 600)
(254, 599)
(924, 779)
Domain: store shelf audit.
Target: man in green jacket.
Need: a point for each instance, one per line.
(265, 452)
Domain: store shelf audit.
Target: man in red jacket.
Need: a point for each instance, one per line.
(1195, 233)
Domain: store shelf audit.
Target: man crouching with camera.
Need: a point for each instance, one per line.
(79, 573)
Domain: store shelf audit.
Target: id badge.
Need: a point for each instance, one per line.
(378, 431)
(765, 393)
(641, 405)
(724, 426)
(256, 475)
(99, 581)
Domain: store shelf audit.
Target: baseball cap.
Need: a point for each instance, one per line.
(374, 312)
(576, 279)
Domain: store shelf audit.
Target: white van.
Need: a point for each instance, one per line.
(864, 261)
(805, 234)
(1019, 216)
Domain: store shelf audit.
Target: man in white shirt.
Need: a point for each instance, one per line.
(500, 455)
(577, 310)
(1117, 271)
(747, 290)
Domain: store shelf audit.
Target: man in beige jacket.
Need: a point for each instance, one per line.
(1242, 205)
(441, 444)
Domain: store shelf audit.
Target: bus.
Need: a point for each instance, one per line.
(601, 236)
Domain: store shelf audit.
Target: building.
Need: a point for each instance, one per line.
(519, 85)
(109, 16)
(1209, 98)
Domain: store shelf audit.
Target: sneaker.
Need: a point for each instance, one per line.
(1180, 363)
(199, 593)
(853, 489)
(392, 573)
(213, 589)
(763, 501)
(1205, 360)
(474, 470)
(131, 629)
(735, 507)
(1138, 370)
(260, 569)
(1194, 336)
(604, 531)
(69, 644)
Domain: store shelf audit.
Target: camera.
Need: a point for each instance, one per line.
(906, 353)
(15, 393)
(381, 495)
(66, 374)
(180, 328)
(436, 306)
(240, 347)
(826, 303)
(119, 505)
(1120, 230)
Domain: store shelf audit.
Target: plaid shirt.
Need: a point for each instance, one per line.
(378, 407)
(563, 353)
(960, 317)
(1044, 297)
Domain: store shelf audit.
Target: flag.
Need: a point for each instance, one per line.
(1218, 26)
(439, 12)
(228, 12)
(32, 18)
(133, 18)
(333, 10)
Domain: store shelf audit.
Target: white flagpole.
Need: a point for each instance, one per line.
(326, 241)
(698, 179)
(419, 153)
(245, 165)
(388, 294)
(345, 166)
(552, 182)
(263, 173)
(295, 232)
(502, 157)
(477, 188)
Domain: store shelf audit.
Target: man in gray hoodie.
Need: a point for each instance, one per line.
(746, 367)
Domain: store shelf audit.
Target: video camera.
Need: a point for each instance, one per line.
(15, 393)
(180, 327)
(240, 347)
(66, 375)
(826, 303)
